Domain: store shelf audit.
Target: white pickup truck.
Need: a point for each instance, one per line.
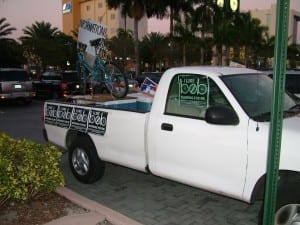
(206, 126)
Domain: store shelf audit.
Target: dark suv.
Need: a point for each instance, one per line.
(15, 84)
(292, 80)
(58, 84)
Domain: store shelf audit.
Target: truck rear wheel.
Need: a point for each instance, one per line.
(84, 162)
(287, 211)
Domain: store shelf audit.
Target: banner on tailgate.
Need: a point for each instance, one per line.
(76, 118)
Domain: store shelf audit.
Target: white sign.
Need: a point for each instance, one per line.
(89, 31)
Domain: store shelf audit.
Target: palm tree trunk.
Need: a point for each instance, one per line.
(184, 55)
(171, 36)
(125, 23)
(136, 48)
(202, 48)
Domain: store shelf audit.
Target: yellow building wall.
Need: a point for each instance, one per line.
(97, 11)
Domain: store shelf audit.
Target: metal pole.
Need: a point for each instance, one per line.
(282, 18)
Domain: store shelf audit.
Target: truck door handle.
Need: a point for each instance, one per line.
(167, 126)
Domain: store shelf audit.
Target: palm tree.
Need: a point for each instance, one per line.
(171, 9)
(40, 30)
(11, 51)
(183, 33)
(122, 46)
(5, 28)
(293, 54)
(202, 21)
(223, 33)
(265, 51)
(41, 44)
(250, 34)
(153, 50)
(135, 9)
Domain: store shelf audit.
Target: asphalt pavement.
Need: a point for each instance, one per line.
(147, 199)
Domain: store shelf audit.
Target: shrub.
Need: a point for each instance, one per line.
(27, 169)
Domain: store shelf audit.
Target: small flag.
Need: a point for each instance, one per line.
(148, 86)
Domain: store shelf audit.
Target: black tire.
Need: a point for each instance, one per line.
(287, 207)
(119, 85)
(84, 162)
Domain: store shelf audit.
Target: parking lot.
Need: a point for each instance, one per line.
(145, 198)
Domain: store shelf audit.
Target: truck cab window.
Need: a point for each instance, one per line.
(191, 94)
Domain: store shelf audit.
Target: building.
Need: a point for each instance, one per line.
(268, 18)
(97, 11)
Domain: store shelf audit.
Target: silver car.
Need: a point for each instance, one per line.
(15, 83)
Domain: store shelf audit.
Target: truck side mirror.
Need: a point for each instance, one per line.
(221, 115)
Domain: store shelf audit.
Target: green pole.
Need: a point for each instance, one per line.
(282, 18)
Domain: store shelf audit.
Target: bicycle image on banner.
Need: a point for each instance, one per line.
(98, 74)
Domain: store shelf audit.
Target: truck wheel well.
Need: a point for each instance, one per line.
(285, 177)
(72, 135)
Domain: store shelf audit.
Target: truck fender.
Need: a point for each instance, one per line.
(285, 178)
(72, 135)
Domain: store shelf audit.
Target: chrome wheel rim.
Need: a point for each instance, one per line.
(288, 215)
(80, 161)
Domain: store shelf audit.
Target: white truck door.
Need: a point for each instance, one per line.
(182, 146)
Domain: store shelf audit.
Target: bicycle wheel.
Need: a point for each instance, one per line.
(116, 81)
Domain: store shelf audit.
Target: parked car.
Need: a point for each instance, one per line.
(132, 83)
(292, 80)
(58, 84)
(15, 84)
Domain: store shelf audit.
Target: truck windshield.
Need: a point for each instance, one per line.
(254, 93)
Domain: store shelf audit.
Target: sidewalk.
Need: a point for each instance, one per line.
(98, 215)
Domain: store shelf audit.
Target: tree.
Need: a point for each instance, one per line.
(11, 52)
(154, 47)
(135, 9)
(293, 55)
(45, 45)
(250, 34)
(171, 9)
(122, 47)
(265, 50)
(183, 33)
(202, 21)
(223, 34)
(5, 29)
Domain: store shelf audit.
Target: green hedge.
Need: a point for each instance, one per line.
(27, 169)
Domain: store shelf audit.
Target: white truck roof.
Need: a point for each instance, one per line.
(214, 70)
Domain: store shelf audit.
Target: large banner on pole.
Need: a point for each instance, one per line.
(90, 31)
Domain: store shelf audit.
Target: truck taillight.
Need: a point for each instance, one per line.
(63, 86)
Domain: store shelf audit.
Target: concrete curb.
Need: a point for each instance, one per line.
(91, 218)
(109, 214)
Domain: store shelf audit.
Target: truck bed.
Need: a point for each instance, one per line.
(109, 123)
(133, 102)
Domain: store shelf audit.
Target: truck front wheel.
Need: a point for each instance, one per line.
(287, 210)
(85, 164)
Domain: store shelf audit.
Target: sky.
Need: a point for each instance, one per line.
(22, 13)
